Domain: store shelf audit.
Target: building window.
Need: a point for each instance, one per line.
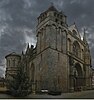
(55, 14)
(13, 62)
(41, 56)
(63, 41)
(56, 20)
(61, 23)
(76, 49)
(58, 56)
(69, 45)
(59, 30)
(74, 32)
(8, 62)
(82, 54)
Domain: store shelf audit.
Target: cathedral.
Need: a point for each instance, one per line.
(60, 60)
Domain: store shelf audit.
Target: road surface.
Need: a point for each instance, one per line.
(83, 94)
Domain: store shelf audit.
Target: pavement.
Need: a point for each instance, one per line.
(76, 95)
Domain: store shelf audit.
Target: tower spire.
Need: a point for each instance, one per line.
(27, 50)
(84, 36)
(22, 52)
(28, 46)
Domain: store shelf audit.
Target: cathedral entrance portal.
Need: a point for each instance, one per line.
(78, 77)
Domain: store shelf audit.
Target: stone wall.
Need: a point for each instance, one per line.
(51, 70)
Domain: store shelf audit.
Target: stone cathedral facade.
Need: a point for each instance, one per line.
(61, 59)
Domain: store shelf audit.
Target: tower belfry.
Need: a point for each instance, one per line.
(51, 43)
(51, 24)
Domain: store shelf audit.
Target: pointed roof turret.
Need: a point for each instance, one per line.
(32, 46)
(84, 36)
(22, 53)
(27, 50)
(28, 46)
(85, 40)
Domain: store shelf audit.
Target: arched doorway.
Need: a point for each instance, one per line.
(78, 77)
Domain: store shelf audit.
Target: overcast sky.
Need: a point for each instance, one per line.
(18, 20)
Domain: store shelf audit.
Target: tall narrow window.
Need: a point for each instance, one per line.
(41, 56)
(59, 30)
(74, 32)
(56, 20)
(76, 49)
(58, 56)
(69, 45)
(14, 63)
(63, 41)
(55, 14)
(8, 62)
(82, 54)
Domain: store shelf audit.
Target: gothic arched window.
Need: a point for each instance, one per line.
(76, 49)
(14, 62)
(63, 40)
(82, 54)
(74, 32)
(59, 30)
(8, 62)
(69, 45)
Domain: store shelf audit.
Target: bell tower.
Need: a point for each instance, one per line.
(51, 49)
(51, 30)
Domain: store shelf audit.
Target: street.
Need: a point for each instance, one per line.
(82, 94)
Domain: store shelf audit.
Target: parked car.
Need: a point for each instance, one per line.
(54, 92)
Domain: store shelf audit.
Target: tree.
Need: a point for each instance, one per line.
(19, 85)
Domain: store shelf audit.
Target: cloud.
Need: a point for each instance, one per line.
(18, 21)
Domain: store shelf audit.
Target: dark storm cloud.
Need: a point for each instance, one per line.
(18, 20)
(15, 24)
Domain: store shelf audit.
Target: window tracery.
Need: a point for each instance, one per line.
(69, 45)
(76, 49)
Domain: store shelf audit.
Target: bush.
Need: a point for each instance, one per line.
(19, 85)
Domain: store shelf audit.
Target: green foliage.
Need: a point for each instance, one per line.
(19, 85)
